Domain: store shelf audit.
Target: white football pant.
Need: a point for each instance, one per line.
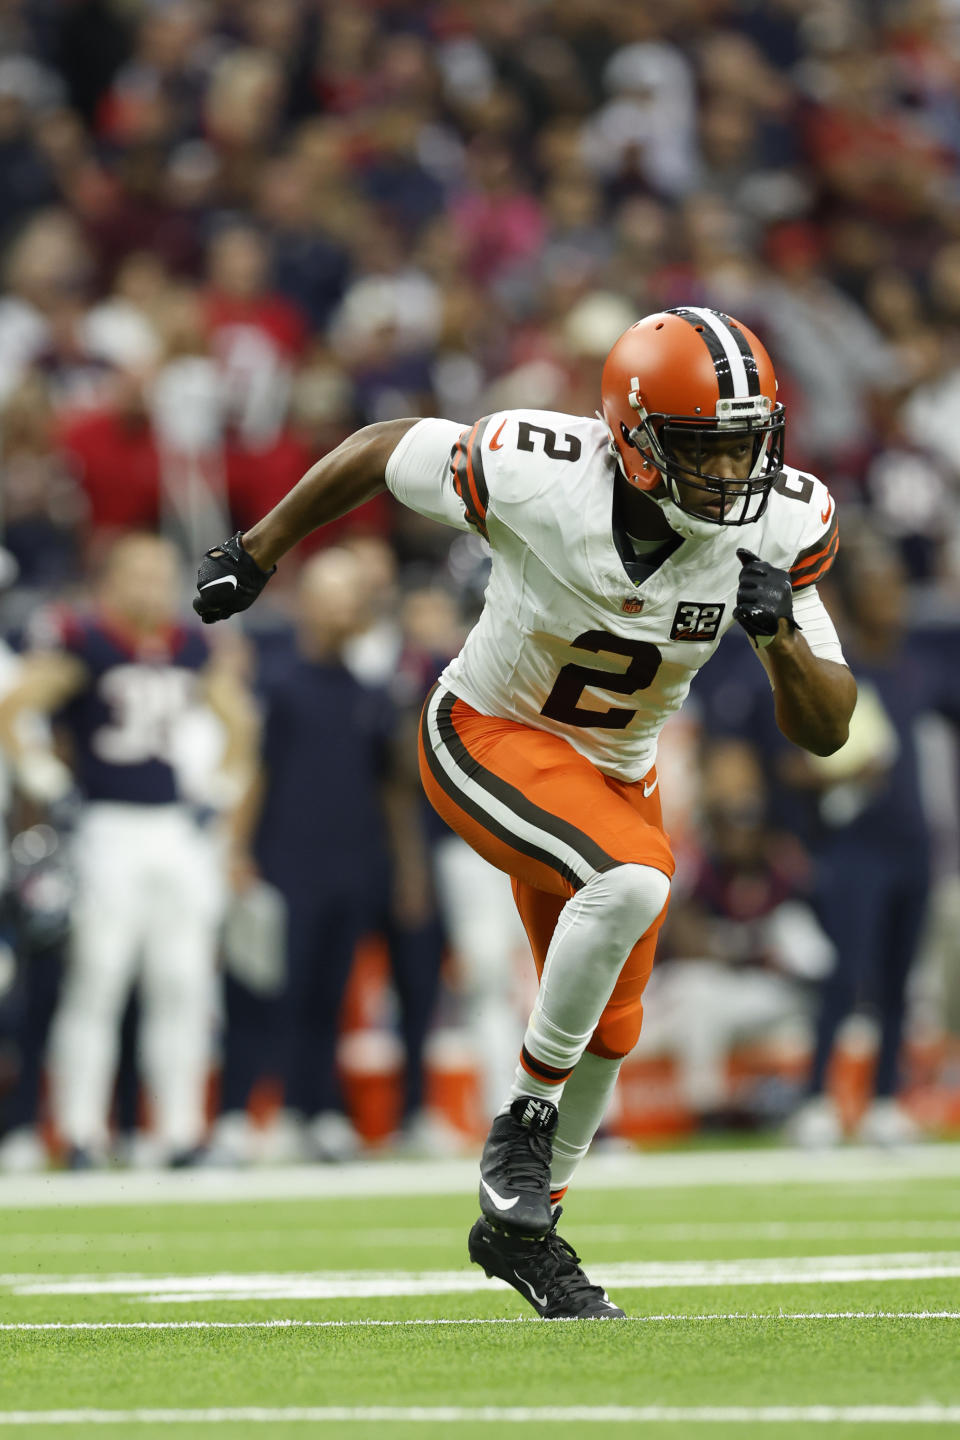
(493, 959)
(151, 895)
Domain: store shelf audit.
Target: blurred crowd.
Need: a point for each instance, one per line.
(232, 232)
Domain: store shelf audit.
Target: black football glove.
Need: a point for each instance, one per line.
(764, 598)
(228, 581)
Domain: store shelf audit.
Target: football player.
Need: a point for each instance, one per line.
(123, 682)
(623, 547)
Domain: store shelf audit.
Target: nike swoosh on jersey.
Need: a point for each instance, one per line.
(495, 442)
(498, 1200)
(224, 580)
(540, 1299)
(825, 514)
(649, 789)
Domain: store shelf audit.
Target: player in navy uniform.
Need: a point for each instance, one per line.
(124, 684)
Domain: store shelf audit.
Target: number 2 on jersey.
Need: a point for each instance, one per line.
(561, 703)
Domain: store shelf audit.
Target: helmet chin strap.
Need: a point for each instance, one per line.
(691, 527)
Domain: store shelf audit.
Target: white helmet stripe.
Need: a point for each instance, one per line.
(738, 371)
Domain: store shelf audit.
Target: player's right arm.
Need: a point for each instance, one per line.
(232, 575)
(47, 680)
(350, 475)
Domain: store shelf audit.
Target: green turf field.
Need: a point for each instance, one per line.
(780, 1293)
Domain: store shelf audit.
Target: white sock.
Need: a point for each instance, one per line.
(595, 934)
(585, 1099)
(553, 1046)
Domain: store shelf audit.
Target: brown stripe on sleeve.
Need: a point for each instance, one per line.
(814, 570)
(811, 558)
(475, 467)
(464, 480)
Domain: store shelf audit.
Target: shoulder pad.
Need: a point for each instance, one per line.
(802, 519)
(512, 455)
(819, 540)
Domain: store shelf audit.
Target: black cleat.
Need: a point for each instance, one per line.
(546, 1272)
(193, 1157)
(515, 1167)
(78, 1157)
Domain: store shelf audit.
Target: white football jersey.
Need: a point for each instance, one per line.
(567, 642)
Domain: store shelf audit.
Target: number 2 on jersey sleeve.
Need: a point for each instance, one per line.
(561, 703)
(571, 449)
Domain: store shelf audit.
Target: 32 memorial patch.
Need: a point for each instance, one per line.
(696, 622)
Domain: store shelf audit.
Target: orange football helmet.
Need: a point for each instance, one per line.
(693, 378)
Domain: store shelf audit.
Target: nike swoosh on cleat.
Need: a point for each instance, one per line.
(539, 1299)
(224, 580)
(649, 789)
(498, 1200)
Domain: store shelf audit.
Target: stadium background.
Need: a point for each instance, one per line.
(233, 232)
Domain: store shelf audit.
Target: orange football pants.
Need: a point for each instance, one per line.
(533, 806)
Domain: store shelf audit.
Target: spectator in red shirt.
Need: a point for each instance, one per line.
(256, 335)
(113, 452)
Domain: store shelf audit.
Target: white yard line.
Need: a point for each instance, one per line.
(430, 1236)
(680, 1319)
(849, 1166)
(684, 1232)
(927, 1414)
(230, 1286)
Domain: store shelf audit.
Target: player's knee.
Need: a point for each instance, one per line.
(616, 1034)
(181, 989)
(635, 895)
(97, 992)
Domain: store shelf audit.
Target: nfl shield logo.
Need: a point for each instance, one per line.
(632, 605)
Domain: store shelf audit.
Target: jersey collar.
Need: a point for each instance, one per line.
(638, 568)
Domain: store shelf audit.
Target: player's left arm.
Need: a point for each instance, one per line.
(814, 692)
(813, 697)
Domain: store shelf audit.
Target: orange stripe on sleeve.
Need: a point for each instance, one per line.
(818, 549)
(816, 560)
(458, 461)
(815, 570)
(479, 507)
